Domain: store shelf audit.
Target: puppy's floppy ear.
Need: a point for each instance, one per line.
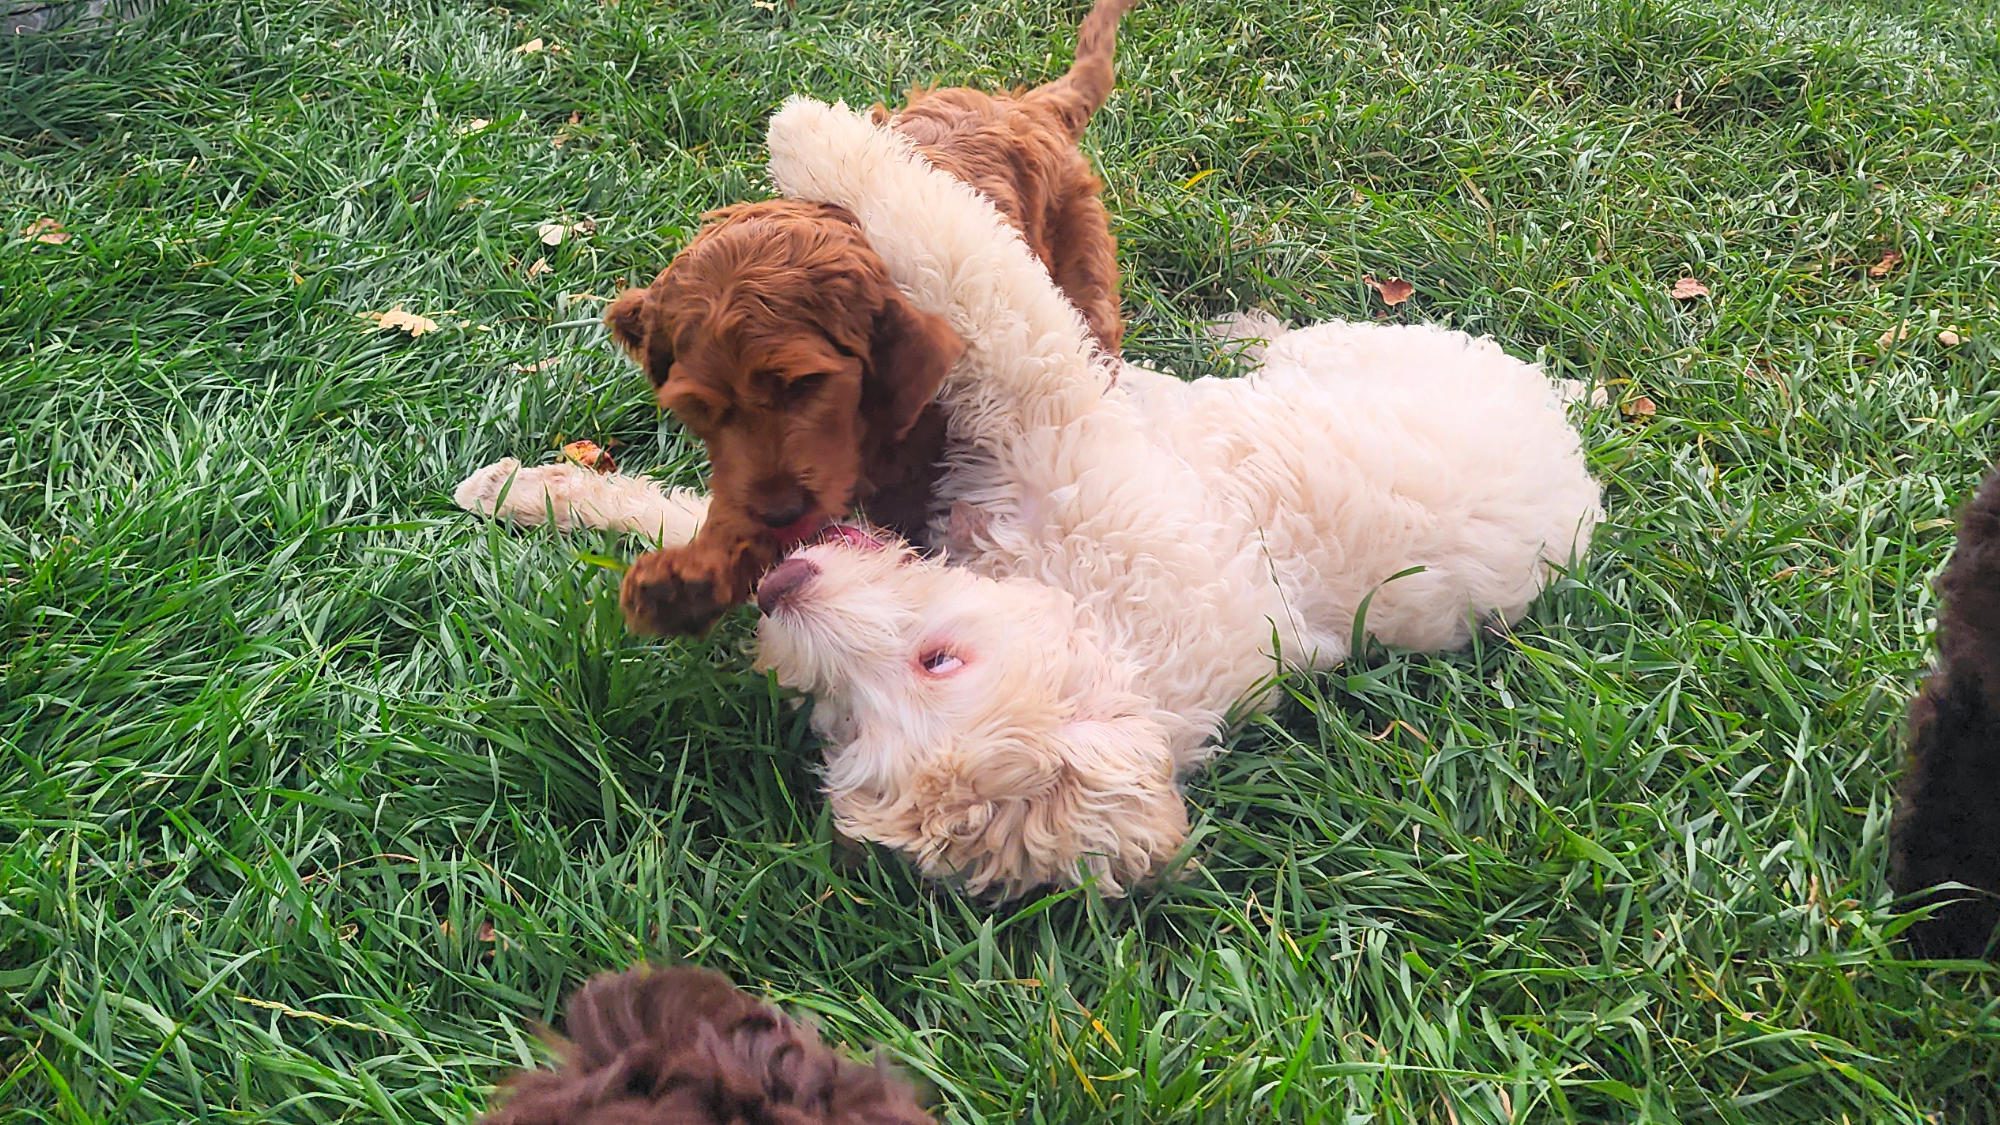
(626, 320)
(1026, 812)
(909, 355)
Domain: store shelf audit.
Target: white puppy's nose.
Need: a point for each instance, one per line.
(783, 582)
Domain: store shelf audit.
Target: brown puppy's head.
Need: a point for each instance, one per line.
(777, 338)
(681, 1046)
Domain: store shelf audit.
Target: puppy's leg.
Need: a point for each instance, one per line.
(573, 497)
(683, 590)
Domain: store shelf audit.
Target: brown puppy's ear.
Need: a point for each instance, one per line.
(878, 113)
(910, 354)
(626, 320)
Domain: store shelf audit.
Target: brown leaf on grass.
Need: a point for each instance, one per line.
(477, 124)
(399, 319)
(590, 455)
(46, 231)
(537, 268)
(1393, 291)
(1889, 261)
(552, 234)
(583, 228)
(1687, 289)
(1641, 407)
(533, 46)
(1895, 335)
(1950, 337)
(542, 364)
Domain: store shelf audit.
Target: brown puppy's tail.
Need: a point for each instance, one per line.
(1079, 93)
(1947, 822)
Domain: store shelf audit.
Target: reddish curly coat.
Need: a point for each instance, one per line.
(682, 1046)
(777, 338)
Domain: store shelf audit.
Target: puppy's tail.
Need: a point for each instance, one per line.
(1947, 823)
(1078, 94)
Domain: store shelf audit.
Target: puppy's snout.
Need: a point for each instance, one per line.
(784, 583)
(787, 504)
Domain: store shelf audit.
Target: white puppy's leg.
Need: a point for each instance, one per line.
(576, 497)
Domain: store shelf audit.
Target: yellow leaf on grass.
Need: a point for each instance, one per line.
(400, 319)
(590, 455)
(46, 231)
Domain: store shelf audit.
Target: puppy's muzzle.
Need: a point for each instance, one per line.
(783, 583)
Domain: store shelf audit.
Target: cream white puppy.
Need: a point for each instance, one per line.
(1131, 555)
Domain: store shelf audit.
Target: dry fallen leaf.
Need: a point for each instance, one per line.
(1393, 291)
(47, 231)
(1890, 260)
(583, 228)
(1894, 336)
(1641, 407)
(472, 126)
(590, 455)
(552, 234)
(531, 47)
(542, 364)
(398, 318)
(537, 268)
(1687, 289)
(1950, 338)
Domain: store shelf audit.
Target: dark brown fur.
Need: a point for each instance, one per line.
(778, 339)
(682, 1046)
(1947, 823)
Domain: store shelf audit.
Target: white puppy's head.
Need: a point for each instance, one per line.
(976, 725)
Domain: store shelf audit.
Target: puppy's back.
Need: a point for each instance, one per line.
(1947, 824)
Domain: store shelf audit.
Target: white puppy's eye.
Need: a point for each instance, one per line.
(940, 662)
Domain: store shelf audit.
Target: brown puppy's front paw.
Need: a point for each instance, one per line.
(678, 592)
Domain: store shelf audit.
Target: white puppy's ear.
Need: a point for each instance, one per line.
(1090, 798)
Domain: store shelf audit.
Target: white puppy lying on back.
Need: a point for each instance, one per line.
(1125, 554)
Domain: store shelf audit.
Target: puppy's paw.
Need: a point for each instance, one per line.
(480, 492)
(678, 591)
(529, 497)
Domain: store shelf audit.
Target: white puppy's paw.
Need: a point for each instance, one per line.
(480, 492)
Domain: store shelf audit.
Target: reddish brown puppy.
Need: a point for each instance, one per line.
(777, 338)
(683, 1047)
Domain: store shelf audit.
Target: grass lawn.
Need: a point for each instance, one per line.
(317, 795)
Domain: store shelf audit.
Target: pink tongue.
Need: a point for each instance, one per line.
(799, 531)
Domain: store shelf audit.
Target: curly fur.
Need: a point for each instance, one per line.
(682, 1046)
(777, 339)
(1128, 549)
(1128, 552)
(1947, 823)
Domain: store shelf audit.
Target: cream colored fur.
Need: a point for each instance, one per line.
(1126, 549)
(1130, 551)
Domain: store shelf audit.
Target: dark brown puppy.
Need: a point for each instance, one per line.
(1947, 823)
(777, 338)
(683, 1047)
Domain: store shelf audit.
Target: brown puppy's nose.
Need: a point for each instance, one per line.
(783, 581)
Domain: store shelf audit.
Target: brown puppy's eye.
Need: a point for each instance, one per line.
(803, 387)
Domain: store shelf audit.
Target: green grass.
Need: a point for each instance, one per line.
(317, 795)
